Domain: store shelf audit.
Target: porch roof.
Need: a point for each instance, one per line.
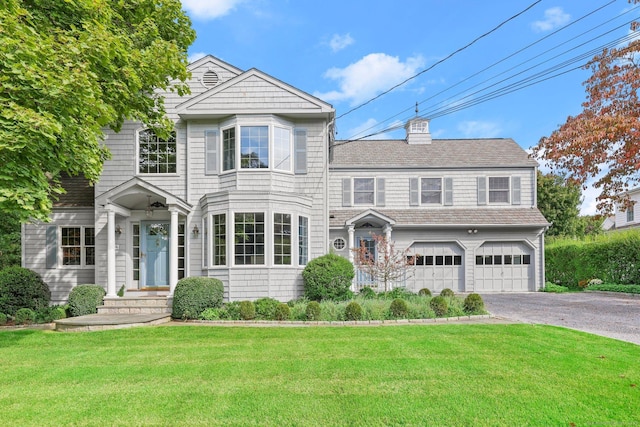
(520, 217)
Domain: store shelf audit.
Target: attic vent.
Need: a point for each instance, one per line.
(210, 79)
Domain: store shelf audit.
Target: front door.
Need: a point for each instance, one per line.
(154, 259)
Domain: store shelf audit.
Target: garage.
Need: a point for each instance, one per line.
(504, 266)
(438, 266)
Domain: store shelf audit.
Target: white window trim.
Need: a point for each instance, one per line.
(508, 190)
(83, 265)
(441, 191)
(271, 122)
(137, 164)
(353, 191)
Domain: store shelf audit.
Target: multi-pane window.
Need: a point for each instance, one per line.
(249, 238)
(282, 239)
(303, 240)
(254, 147)
(499, 189)
(363, 191)
(136, 251)
(78, 246)
(220, 239)
(281, 149)
(229, 149)
(431, 191)
(503, 259)
(181, 252)
(156, 155)
(630, 216)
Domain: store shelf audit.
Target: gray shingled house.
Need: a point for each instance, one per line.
(251, 186)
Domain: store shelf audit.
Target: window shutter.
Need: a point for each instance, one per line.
(448, 191)
(515, 190)
(414, 192)
(211, 148)
(52, 246)
(346, 191)
(300, 151)
(380, 192)
(482, 190)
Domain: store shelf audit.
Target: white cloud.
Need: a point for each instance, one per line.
(479, 129)
(209, 9)
(369, 76)
(339, 42)
(553, 18)
(195, 56)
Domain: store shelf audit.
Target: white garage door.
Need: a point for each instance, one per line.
(504, 266)
(438, 266)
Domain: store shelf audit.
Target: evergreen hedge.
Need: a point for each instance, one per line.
(613, 258)
(195, 294)
(22, 288)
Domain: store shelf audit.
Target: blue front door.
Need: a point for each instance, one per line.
(154, 264)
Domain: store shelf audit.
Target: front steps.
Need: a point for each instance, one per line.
(136, 305)
(122, 312)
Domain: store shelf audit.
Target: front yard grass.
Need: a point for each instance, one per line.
(409, 375)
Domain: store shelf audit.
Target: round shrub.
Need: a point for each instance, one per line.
(439, 305)
(313, 310)
(25, 316)
(49, 314)
(247, 310)
(353, 311)
(3, 319)
(424, 292)
(85, 299)
(266, 308)
(398, 308)
(328, 278)
(282, 312)
(446, 292)
(22, 288)
(473, 303)
(367, 293)
(195, 294)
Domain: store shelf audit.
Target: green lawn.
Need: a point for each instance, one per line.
(438, 375)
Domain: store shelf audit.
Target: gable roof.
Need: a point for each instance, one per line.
(252, 92)
(441, 153)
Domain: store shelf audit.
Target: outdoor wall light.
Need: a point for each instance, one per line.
(472, 231)
(196, 231)
(118, 230)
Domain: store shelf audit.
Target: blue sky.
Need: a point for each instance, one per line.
(518, 81)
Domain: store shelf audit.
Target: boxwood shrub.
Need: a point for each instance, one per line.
(398, 308)
(282, 312)
(194, 294)
(247, 310)
(439, 305)
(22, 288)
(25, 316)
(85, 299)
(473, 303)
(353, 311)
(328, 278)
(266, 308)
(313, 310)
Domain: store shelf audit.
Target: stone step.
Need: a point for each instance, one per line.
(137, 301)
(130, 309)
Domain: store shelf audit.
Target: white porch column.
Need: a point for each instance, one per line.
(173, 251)
(111, 253)
(387, 232)
(352, 231)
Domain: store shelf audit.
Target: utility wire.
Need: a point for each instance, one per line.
(439, 62)
(516, 66)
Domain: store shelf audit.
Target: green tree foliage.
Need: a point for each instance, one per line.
(559, 201)
(9, 241)
(68, 69)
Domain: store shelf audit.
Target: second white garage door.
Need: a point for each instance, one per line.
(504, 266)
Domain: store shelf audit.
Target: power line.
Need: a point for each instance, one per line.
(439, 62)
(511, 56)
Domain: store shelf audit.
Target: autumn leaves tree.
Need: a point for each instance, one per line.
(603, 141)
(70, 69)
(385, 264)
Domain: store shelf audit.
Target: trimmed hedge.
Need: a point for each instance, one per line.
(25, 316)
(328, 278)
(195, 294)
(614, 258)
(22, 288)
(628, 289)
(85, 299)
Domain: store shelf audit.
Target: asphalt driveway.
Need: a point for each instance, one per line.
(607, 314)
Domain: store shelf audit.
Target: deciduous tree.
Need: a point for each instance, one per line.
(559, 201)
(603, 141)
(388, 265)
(69, 69)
